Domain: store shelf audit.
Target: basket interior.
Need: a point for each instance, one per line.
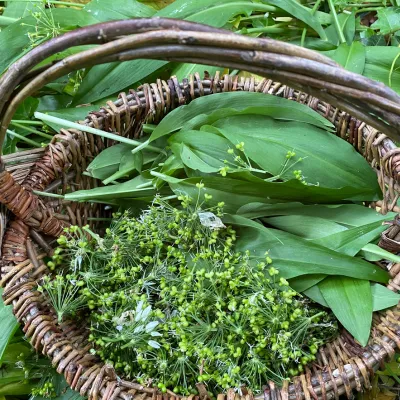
(341, 366)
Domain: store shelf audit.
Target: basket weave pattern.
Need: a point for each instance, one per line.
(341, 366)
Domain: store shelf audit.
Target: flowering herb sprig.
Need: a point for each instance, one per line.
(170, 302)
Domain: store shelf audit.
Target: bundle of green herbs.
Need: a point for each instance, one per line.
(244, 229)
(171, 302)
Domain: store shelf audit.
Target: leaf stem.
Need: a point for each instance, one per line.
(145, 185)
(342, 39)
(26, 121)
(31, 130)
(94, 131)
(277, 28)
(366, 9)
(392, 69)
(148, 128)
(141, 147)
(316, 315)
(303, 35)
(47, 194)
(24, 139)
(117, 175)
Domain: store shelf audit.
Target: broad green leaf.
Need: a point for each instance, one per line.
(19, 387)
(127, 189)
(347, 25)
(382, 297)
(315, 44)
(352, 240)
(240, 191)
(320, 165)
(379, 63)
(351, 301)
(219, 14)
(193, 160)
(305, 226)
(207, 110)
(9, 325)
(104, 10)
(388, 20)
(349, 28)
(203, 151)
(26, 109)
(294, 256)
(70, 114)
(315, 294)
(130, 162)
(300, 12)
(327, 233)
(108, 79)
(108, 161)
(351, 57)
(170, 167)
(372, 252)
(104, 80)
(193, 10)
(73, 114)
(185, 70)
(304, 282)
(344, 214)
(17, 9)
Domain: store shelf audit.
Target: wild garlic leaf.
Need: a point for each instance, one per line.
(209, 109)
(294, 256)
(305, 226)
(328, 233)
(108, 161)
(237, 190)
(202, 151)
(108, 79)
(352, 240)
(305, 282)
(130, 189)
(372, 252)
(348, 215)
(382, 297)
(268, 141)
(104, 11)
(351, 301)
(315, 294)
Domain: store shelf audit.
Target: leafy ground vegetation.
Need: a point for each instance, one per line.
(364, 38)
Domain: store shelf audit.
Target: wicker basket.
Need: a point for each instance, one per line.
(348, 100)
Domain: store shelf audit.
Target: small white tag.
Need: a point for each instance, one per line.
(210, 220)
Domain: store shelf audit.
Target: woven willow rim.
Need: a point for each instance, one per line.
(342, 365)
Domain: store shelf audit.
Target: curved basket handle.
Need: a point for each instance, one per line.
(182, 41)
